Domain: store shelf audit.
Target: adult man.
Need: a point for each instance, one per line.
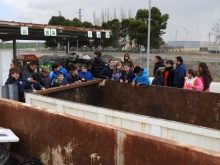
(180, 72)
(29, 69)
(97, 64)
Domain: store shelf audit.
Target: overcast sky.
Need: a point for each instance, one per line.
(197, 16)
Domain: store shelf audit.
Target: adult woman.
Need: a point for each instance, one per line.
(159, 63)
(205, 76)
(192, 82)
(168, 74)
(127, 60)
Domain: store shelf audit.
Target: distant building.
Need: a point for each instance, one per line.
(190, 45)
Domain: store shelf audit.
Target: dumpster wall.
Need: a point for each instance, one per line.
(188, 134)
(191, 107)
(63, 139)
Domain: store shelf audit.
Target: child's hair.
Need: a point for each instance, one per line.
(110, 60)
(84, 66)
(170, 62)
(192, 72)
(55, 65)
(73, 68)
(127, 64)
(158, 73)
(98, 53)
(15, 70)
(45, 69)
(115, 69)
(137, 69)
(36, 76)
(60, 73)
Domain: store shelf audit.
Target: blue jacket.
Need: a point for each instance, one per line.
(143, 78)
(28, 86)
(179, 75)
(86, 75)
(64, 71)
(130, 76)
(53, 75)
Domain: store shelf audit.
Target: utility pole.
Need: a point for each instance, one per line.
(60, 13)
(80, 14)
(148, 36)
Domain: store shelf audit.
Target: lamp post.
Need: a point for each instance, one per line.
(186, 38)
(148, 37)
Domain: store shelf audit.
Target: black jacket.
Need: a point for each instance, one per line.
(158, 81)
(26, 72)
(106, 73)
(71, 79)
(97, 67)
(127, 76)
(45, 81)
(157, 66)
(170, 78)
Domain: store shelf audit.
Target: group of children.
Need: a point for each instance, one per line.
(125, 71)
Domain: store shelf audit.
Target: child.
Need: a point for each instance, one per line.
(85, 74)
(53, 73)
(192, 82)
(117, 72)
(127, 74)
(63, 70)
(74, 77)
(45, 77)
(31, 84)
(159, 79)
(141, 77)
(14, 78)
(60, 80)
(107, 71)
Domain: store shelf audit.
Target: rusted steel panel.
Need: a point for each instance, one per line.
(60, 139)
(139, 150)
(57, 139)
(191, 107)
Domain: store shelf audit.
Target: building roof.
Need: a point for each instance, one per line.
(10, 30)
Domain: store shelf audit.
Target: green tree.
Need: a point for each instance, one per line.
(77, 23)
(158, 24)
(87, 24)
(56, 20)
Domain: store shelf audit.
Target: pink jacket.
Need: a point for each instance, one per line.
(196, 85)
